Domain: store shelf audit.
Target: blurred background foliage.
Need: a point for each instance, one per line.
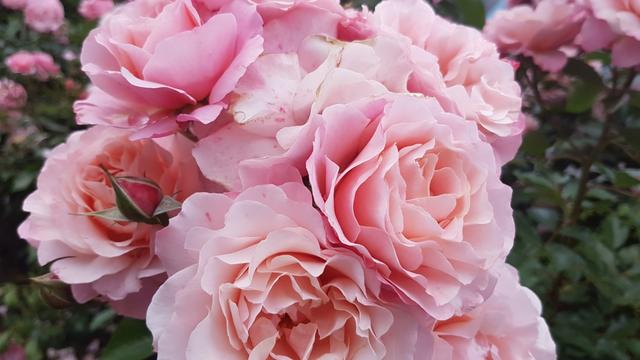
(576, 183)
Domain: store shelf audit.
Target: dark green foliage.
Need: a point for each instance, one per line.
(576, 190)
(46, 121)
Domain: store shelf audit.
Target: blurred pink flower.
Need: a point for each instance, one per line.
(14, 4)
(114, 260)
(37, 63)
(94, 9)
(12, 95)
(44, 15)
(622, 15)
(71, 85)
(541, 31)
(613, 25)
(14, 352)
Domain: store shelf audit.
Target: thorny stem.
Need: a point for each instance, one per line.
(585, 168)
(614, 96)
(533, 84)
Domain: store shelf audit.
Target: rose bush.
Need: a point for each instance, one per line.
(354, 206)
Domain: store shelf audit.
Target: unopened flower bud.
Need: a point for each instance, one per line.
(142, 194)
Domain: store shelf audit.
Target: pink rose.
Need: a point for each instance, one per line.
(94, 9)
(267, 118)
(622, 15)
(100, 257)
(541, 32)
(480, 85)
(416, 192)
(38, 64)
(613, 25)
(44, 15)
(12, 95)
(288, 23)
(249, 279)
(355, 26)
(169, 60)
(14, 352)
(14, 4)
(507, 326)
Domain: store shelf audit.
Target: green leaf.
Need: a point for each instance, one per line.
(101, 319)
(471, 12)
(631, 135)
(167, 204)
(131, 341)
(634, 98)
(614, 233)
(535, 144)
(582, 96)
(625, 180)
(601, 194)
(581, 70)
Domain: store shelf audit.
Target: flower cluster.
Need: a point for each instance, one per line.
(47, 16)
(40, 15)
(550, 31)
(293, 180)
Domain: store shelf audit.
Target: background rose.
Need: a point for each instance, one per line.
(14, 4)
(507, 326)
(94, 9)
(262, 288)
(541, 31)
(12, 95)
(613, 25)
(37, 63)
(44, 15)
(100, 257)
(413, 190)
(164, 71)
(622, 16)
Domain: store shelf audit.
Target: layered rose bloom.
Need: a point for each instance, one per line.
(540, 32)
(266, 119)
(613, 25)
(415, 191)
(170, 61)
(507, 326)
(249, 279)
(113, 260)
(94, 9)
(480, 85)
(622, 15)
(38, 64)
(288, 23)
(44, 15)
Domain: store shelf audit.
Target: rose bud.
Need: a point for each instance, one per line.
(143, 194)
(53, 291)
(138, 199)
